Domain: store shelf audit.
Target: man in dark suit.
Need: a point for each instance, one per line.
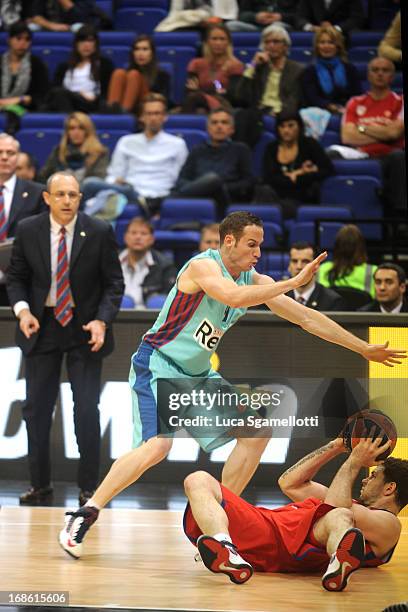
(313, 294)
(18, 198)
(65, 285)
(390, 286)
(345, 15)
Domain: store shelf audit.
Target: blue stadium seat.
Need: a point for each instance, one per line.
(269, 123)
(192, 122)
(182, 242)
(273, 235)
(110, 137)
(156, 301)
(365, 38)
(366, 167)
(310, 213)
(246, 39)
(361, 194)
(141, 20)
(175, 211)
(273, 261)
(301, 54)
(277, 275)
(163, 4)
(124, 123)
(51, 56)
(105, 6)
(41, 121)
(170, 69)
(266, 212)
(302, 39)
(245, 54)
(2, 121)
(39, 142)
(130, 211)
(179, 56)
(116, 39)
(127, 302)
(191, 137)
(305, 230)
(182, 38)
(362, 69)
(119, 55)
(329, 138)
(120, 228)
(334, 123)
(53, 39)
(362, 54)
(258, 153)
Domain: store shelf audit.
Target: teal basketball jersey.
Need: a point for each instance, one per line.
(190, 327)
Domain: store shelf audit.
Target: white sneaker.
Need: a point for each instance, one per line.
(76, 525)
(223, 557)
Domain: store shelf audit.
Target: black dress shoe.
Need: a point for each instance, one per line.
(33, 496)
(84, 496)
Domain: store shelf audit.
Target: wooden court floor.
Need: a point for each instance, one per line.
(141, 559)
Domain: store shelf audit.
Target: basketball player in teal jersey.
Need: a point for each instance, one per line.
(212, 291)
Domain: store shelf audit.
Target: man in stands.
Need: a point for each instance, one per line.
(390, 286)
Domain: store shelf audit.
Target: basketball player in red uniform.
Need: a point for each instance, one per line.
(322, 530)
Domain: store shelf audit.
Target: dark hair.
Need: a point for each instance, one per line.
(396, 470)
(289, 116)
(140, 221)
(393, 266)
(151, 69)
(236, 222)
(303, 244)
(220, 109)
(86, 32)
(32, 160)
(18, 28)
(349, 251)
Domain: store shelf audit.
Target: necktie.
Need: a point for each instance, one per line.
(301, 300)
(63, 307)
(3, 220)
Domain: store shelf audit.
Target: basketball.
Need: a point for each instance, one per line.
(365, 420)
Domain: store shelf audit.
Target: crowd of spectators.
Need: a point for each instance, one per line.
(152, 164)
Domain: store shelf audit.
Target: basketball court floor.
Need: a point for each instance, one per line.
(140, 559)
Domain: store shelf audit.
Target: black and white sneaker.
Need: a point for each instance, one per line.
(76, 525)
(223, 557)
(348, 557)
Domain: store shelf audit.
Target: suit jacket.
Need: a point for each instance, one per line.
(161, 276)
(323, 299)
(95, 274)
(374, 306)
(27, 201)
(348, 14)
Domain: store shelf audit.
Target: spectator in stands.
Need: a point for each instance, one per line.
(65, 15)
(254, 15)
(294, 165)
(23, 77)
(270, 84)
(208, 76)
(19, 198)
(81, 83)
(373, 124)
(331, 80)
(26, 166)
(313, 294)
(210, 237)
(12, 11)
(344, 15)
(390, 286)
(128, 87)
(219, 168)
(349, 267)
(390, 46)
(79, 150)
(197, 13)
(144, 167)
(146, 271)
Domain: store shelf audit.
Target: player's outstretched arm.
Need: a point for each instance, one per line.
(297, 481)
(205, 275)
(320, 325)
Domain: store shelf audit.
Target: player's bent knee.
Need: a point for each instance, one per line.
(342, 514)
(197, 480)
(160, 447)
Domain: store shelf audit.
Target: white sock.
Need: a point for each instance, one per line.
(222, 537)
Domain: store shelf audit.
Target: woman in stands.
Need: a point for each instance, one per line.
(79, 150)
(23, 77)
(208, 76)
(143, 75)
(349, 267)
(331, 81)
(81, 83)
(294, 165)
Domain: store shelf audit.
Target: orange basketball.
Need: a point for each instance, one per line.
(360, 425)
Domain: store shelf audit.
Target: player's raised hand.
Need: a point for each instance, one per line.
(383, 354)
(365, 453)
(309, 270)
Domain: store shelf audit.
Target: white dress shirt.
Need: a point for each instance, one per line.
(150, 165)
(306, 294)
(395, 310)
(54, 238)
(8, 192)
(135, 275)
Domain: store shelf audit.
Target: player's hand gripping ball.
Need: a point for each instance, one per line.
(373, 423)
